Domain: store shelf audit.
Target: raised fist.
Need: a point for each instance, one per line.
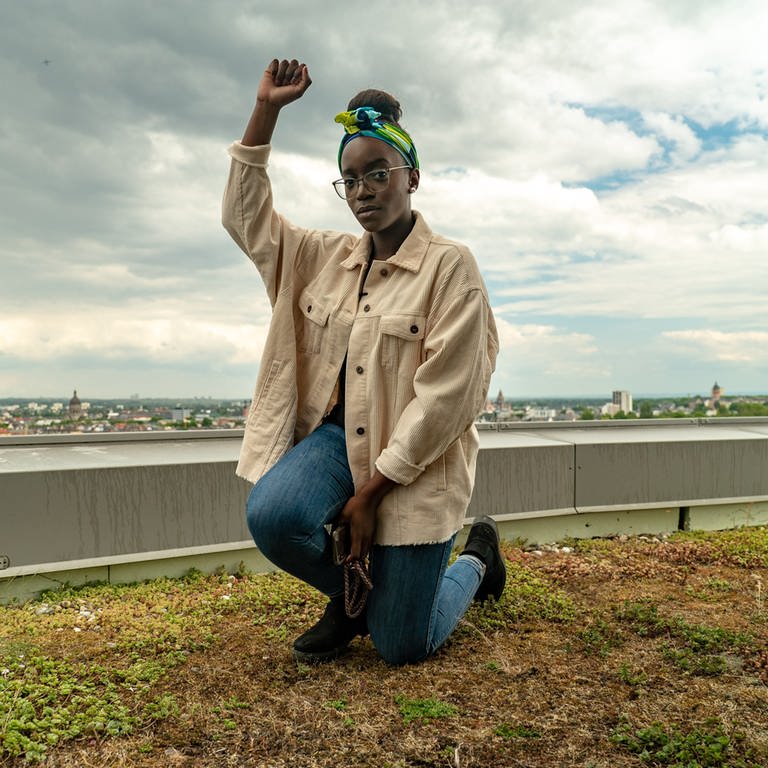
(283, 82)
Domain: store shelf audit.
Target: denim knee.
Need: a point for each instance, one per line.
(262, 514)
(399, 651)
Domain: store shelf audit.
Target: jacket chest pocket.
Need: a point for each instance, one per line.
(315, 313)
(401, 345)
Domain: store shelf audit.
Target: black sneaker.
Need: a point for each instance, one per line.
(329, 638)
(483, 542)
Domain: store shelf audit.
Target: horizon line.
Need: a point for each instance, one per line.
(527, 396)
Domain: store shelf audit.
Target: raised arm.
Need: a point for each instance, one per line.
(282, 82)
(270, 241)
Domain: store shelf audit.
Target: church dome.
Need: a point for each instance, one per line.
(75, 407)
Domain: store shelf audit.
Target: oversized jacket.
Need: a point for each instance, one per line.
(421, 345)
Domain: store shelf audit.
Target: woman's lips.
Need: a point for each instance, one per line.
(366, 211)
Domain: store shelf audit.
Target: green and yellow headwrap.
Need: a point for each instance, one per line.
(364, 121)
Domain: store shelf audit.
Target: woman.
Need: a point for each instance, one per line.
(377, 361)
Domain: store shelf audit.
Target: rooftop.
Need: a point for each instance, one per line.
(651, 638)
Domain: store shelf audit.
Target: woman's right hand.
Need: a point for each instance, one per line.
(283, 82)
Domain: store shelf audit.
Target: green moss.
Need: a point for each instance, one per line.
(424, 710)
(708, 746)
(527, 596)
(599, 637)
(509, 732)
(694, 648)
(43, 701)
(741, 547)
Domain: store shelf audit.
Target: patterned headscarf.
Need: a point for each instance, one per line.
(364, 121)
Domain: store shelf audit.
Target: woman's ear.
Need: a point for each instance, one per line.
(413, 180)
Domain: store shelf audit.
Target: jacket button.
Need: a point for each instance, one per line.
(359, 369)
(414, 329)
(367, 308)
(384, 272)
(360, 430)
(309, 308)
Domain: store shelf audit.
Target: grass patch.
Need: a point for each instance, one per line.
(44, 701)
(198, 671)
(742, 547)
(693, 648)
(696, 664)
(713, 589)
(424, 710)
(708, 746)
(161, 707)
(528, 596)
(599, 637)
(631, 676)
(509, 732)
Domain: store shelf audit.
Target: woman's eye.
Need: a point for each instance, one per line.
(350, 183)
(378, 175)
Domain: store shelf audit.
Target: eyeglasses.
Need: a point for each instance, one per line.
(374, 181)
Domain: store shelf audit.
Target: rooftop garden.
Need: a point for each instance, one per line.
(604, 652)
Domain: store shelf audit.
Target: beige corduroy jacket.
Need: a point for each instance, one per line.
(421, 346)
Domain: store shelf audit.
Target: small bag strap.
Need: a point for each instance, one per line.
(357, 584)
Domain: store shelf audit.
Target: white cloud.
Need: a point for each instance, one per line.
(546, 354)
(730, 346)
(690, 243)
(156, 333)
(743, 239)
(502, 217)
(112, 161)
(674, 129)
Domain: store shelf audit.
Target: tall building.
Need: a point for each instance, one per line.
(500, 405)
(623, 399)
(75, 407)
(717, 393)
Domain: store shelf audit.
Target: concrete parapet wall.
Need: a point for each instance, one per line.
(77, 510)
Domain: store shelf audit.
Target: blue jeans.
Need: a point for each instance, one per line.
(416, 601)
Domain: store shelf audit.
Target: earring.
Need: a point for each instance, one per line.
(412, 189)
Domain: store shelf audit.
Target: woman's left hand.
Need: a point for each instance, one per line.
(359, 514)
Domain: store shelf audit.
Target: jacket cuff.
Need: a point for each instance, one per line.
(397, 469)
(256, 156)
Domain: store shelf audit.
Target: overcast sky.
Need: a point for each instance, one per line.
(607, 162)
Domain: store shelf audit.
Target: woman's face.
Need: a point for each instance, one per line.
(378, 211)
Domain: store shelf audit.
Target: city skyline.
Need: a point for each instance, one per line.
(492, 396)
(41, 416)
(606, 165)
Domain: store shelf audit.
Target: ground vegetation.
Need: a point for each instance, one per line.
(643, 651)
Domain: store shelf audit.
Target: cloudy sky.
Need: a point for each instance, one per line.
(607, 162)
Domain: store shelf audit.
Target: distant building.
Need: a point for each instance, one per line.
(623, 399)
(75, 407)
(180, 414)
(717, 393)
(500, 405)
(537, 413)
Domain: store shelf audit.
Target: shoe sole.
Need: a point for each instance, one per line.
(318, 657)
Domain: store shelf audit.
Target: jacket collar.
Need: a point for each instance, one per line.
(408, 256)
